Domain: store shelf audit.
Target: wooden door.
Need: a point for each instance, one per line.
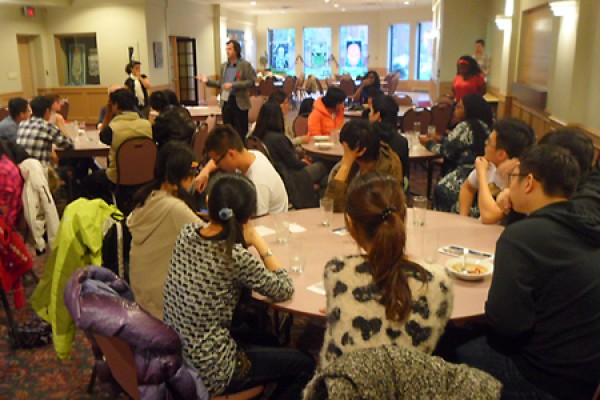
(26, 66)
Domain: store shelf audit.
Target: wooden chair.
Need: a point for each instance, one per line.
(254, 143)
(348, 86)
(446, 99)
(441, 115)
(300, 126)
(403, 100)
(289, 84)
(3, 113)
(422, 115)
(266, 87)
(212, 101)
(198, 142)
(136, 159)
(64, 109)
(256, 102)
(211, 122)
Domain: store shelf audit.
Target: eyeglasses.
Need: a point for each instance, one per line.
(218, 160)
(514, 174)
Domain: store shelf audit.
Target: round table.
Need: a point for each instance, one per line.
(335, 153)
(320, 244)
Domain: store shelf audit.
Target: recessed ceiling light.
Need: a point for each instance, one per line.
(343, 10)
(252, 3)
(327, 1)
(406, 3)
(336, 5)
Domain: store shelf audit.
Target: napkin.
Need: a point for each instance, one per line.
(295, 228)
(318, 288)
(264, 231)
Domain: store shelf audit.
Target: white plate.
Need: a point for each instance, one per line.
(324, 145)
(321, 138)
(455, 265)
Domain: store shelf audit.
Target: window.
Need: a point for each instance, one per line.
(77, 60)
(424, 51)
(400, 49)
(282, 50)
(317, 52)
(354, 50)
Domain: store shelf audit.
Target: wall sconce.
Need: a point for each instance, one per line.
(503, 22)
(563, 8)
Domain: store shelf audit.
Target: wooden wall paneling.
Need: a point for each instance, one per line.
(536, 54)
(5, 97)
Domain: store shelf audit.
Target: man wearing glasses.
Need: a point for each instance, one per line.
(543, 306)
(227, 152)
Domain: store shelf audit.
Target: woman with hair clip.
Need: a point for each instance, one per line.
(210, 267)
(162, 208)
(382, 297)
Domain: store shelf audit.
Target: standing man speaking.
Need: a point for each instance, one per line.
(237, 76)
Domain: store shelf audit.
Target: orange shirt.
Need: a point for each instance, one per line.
(320, 121)
(464, 87)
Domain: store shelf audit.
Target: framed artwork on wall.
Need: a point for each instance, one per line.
(158, 54)
(77, 64)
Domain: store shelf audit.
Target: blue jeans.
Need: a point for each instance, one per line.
(479, 354)
(289, 368)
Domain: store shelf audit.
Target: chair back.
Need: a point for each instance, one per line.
(441, 115)
(136, 159)
(254, 143)
(3, 113)
(403, 100)
(300, 126)
(289, 85)
(64, 109)
(445, 99)
(256, 103)
(266, 87)
(119, 357)
(348, 86)
(211, 122)
(413, 115)
(212, 101)
(198, 142)
(392, 86)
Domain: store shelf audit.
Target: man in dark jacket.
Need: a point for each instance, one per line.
(544, 302)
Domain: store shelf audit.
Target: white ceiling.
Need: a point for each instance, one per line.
(338, 6)
(267, 6)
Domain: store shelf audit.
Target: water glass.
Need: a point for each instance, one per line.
(431, 131)
(296, 254)
(419, 210)
(327, 209)
(430, 247)
(282, 228)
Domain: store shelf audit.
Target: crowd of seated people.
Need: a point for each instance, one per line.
(541, 320)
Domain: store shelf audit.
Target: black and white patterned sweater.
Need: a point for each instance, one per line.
(201, 293)
(356, 317)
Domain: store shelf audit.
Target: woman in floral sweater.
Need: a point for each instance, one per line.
(383, 297)
(460, 149)
(209, 268)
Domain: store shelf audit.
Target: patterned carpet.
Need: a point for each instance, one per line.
(37, 373)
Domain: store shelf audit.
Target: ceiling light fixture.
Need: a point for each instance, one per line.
(327, 1)
(343, 10)
(406, 3)
(563, 8)
(336, 5)
(503, 22)
(252, 3)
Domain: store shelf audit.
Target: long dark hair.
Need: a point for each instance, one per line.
(474, 68)
(270, 119)
(175, 161)
(231, 203)
(478, 110)
(377, 207)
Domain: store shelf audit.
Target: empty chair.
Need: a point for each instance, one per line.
(266, 87)
(256, 103)
(403, 100)
(445, 99)
(300, 126)
(413, 115)
(441, 115)
(212, 101)
(348, 86)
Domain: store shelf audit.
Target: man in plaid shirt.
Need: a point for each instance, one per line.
(37, 135)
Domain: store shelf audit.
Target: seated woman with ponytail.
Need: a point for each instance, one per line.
(210, 267)
(162, 208)
(382, 297)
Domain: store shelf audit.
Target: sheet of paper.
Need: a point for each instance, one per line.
(295, 228)
(318, 288)
(264, 231)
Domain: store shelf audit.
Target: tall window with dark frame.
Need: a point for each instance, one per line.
(424, 50)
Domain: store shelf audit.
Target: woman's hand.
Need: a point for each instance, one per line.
(350, 155)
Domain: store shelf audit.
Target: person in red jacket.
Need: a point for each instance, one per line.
(328, 113)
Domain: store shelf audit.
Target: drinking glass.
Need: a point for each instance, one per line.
(282, 228)
(327, 208)
(419, 210)
(431, 239)
(296, 254)
(417, 128)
